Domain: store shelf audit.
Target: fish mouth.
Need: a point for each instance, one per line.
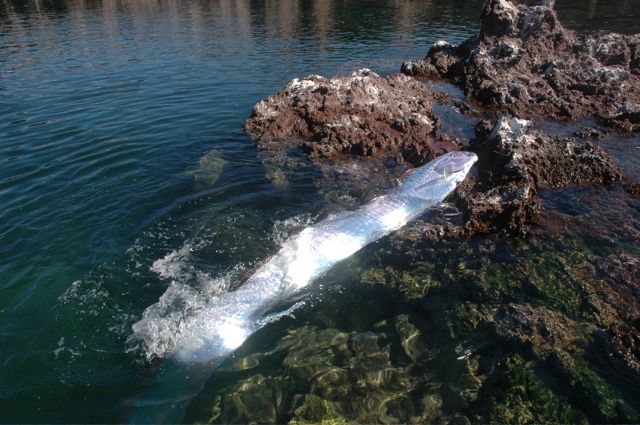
(462, 161)
(456, 163)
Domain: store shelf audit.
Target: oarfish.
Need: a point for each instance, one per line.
(312, 252)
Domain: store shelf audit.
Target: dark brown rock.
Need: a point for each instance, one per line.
(515, 162)
(392, 117)
(589, 133)
(363, 114)
(633, 188)
(525, 62)
(626, 341)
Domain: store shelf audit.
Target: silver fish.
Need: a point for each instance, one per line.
(312, 252)
(229, 319)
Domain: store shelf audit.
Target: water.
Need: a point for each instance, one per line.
(124, 172)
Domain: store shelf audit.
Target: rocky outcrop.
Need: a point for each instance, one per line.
(363, 114)
(515, 162)
(525, 62)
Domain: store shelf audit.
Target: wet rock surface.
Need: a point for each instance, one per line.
(524, 62)
(363, 114)
(515, 162)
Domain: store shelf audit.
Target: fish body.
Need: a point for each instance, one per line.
(311, 253)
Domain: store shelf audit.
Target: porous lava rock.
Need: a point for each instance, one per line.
(516, 160)
(524, 62)
(363, 114)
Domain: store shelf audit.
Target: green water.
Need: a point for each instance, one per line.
(124, 170)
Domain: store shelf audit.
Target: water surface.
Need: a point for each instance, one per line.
(124, 172)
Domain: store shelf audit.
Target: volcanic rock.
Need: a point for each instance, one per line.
(626, 342)
(524, 62)
(363, 114)
(515, 162)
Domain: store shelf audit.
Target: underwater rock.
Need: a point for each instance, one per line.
(517, 160)
(311, 409)
(363, 114)
(411, 339)
(333, 377)
(352, 180)
(256, 399)
(209, 168)
(589, 133)
(524, 62)
(522, 396)
(537, 327)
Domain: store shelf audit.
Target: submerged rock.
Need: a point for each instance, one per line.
(539, 328)
(209, 168)
(333, 377)
(363, 114)
(524, 62)
(311, 409)
(257, 399)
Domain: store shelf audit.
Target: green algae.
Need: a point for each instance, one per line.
(311, 409)
(522, 397)
(257, 399)
(413, 284)
(605, 403)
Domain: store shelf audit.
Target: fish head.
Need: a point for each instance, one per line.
(437, 178)
(454, 166)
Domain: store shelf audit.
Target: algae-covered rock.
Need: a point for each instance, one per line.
(311, 409)
(414, 284)
(600, 400)
(537, 327)
(625, 338)
(209, 168)
(254, 400)
(482, 329)
(522, 397)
